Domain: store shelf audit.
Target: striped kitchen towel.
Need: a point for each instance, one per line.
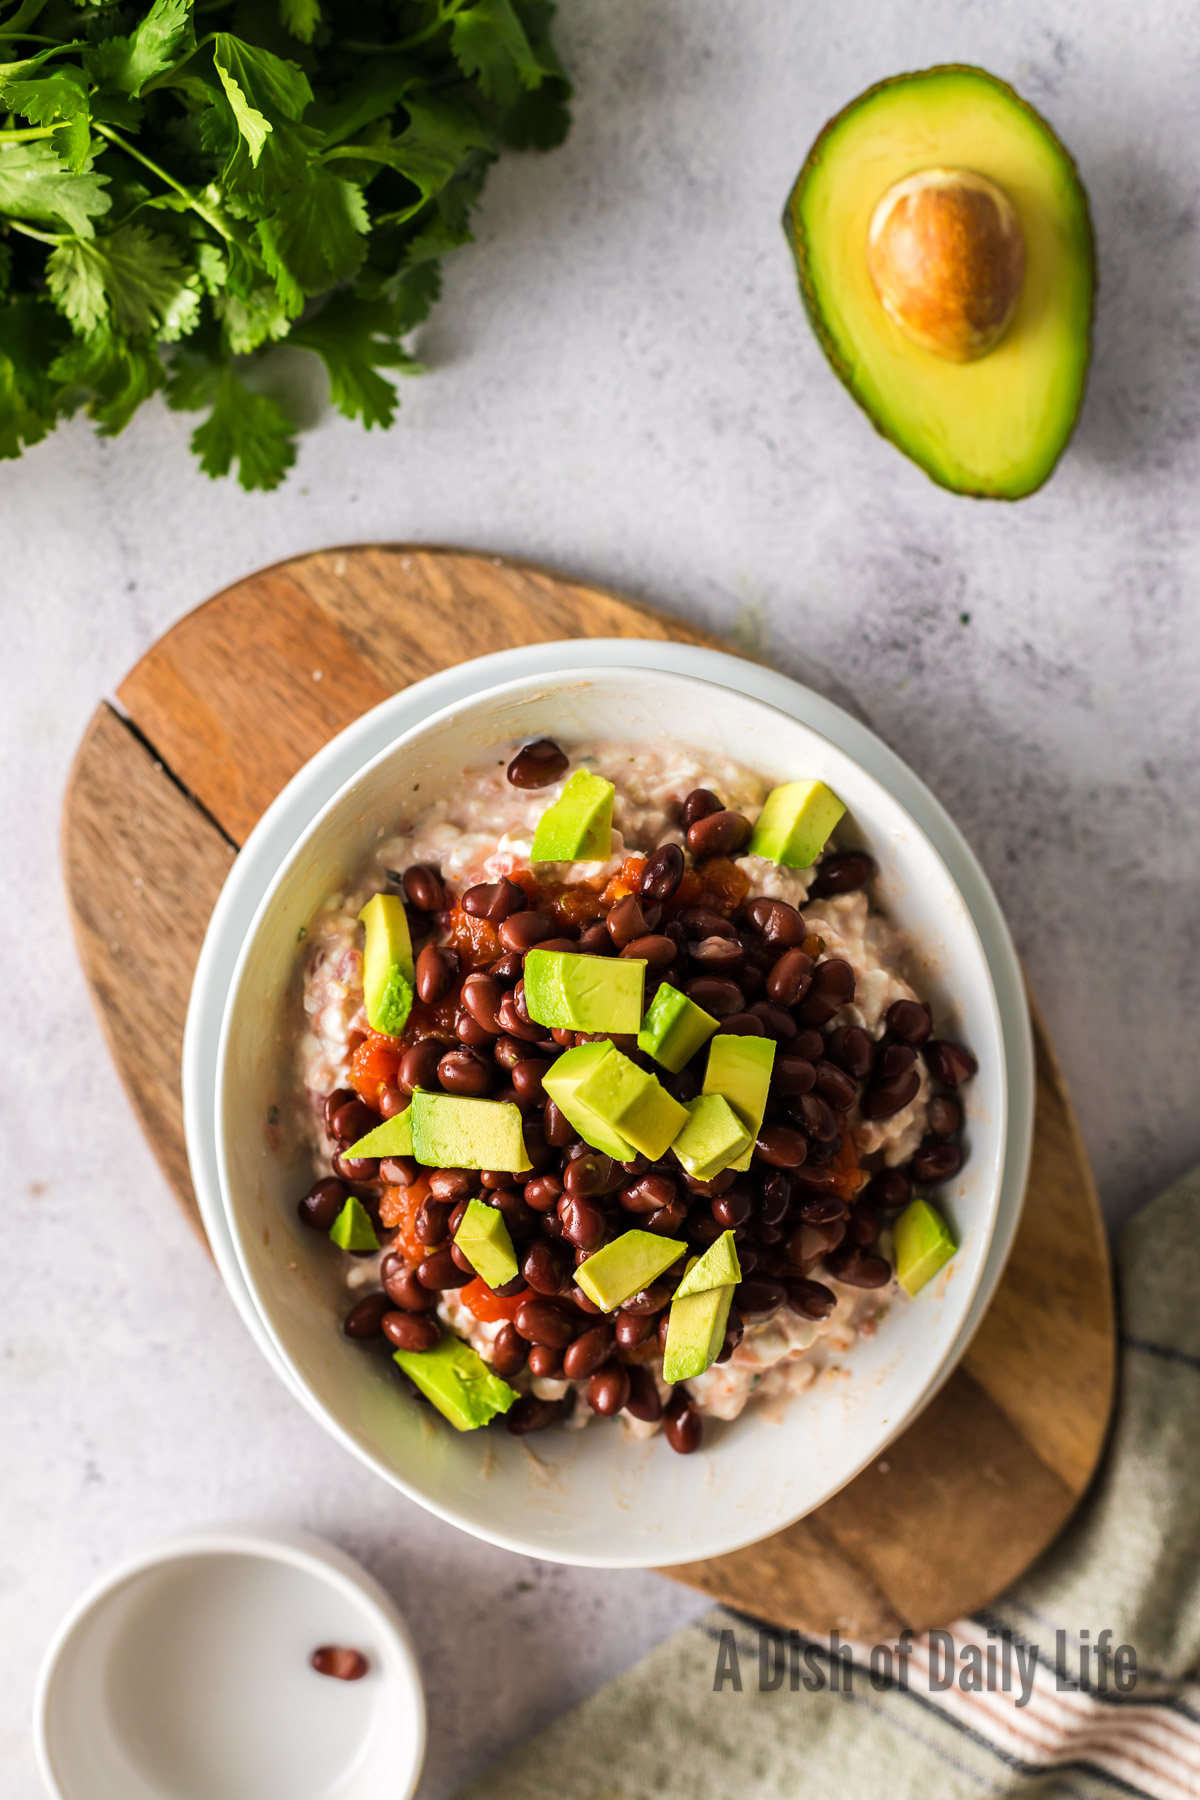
(1082, 1682)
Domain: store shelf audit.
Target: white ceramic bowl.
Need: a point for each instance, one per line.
(594, 1497)
(184, 1674)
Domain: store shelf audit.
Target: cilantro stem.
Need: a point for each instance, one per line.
(43, 237)
(214, 219)
(25, 132)
(445, 13)
(168, 75)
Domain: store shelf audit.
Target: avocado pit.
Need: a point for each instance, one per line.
(946, 256)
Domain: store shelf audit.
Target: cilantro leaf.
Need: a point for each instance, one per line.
(300, 17)
(36, 184)
(30, 335)
(154, 45)
(111, 376)
(354, 338)
(489, 42)
(47, 98)
(132, 273)
(243, 427)
(316, 238)
(270, 84)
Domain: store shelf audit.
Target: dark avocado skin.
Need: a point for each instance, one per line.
(798, 241)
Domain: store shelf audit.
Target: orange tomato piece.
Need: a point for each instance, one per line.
(398, 1210)
(474, 939)
(374, 1063)
(489, 1308)
(627, 880)
(724, 885)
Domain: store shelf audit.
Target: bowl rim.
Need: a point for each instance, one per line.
(957, 1337)
(299, 1550)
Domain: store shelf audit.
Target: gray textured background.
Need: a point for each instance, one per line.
(624, 386)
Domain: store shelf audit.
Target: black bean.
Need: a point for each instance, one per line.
(437, 971)
(339, 1662)
(734, 1208)
(398, 1171)
(584, 1355)
(509, 1201)
(583, 1223)
(418, 1066)
(543, 1192)
(402, 1287)
(322, 1203)
(545, 1360)
(595, 940)
(355, 1168)
(462, 1072)
(790, 978)
(547, 1268)
(662, 873)
(627, 921)
(843, 873)
(556, 1125)
(681, 1424)
(452, 1184)
(776, 1022)
(352, 1121)
(537, 764)
(424, 888)
(365, 1318)
(608, 1389)
(507, 968)
(509, 1351)
(531, 1414)
(743, 1024)
(657, 951)
(950, 1064)
(666, 1221)
(889, 1188)
(832, 987)
(527, 1078)
(852, 1050)
(392, 1099)
(698, 805)
(545, 1322)
(653, 1299)
(890, 1096)
(441, 1271)
(432, 1223)
(592, 1173)
(863, 1226)
(792, 1074)
(759, 1298)
(836, 1087)
(411, 1331)
(820, 1209)
(648, 1193)
(858, 1268)
(815, 1118)
(776, 921)
(510, 1019)
(781, 1146)
(908, 1021)
(643, 1402)
(716, 955)
(719, 834)
(811, 1299)
(632, 1328)
(936, 1160)
(495, 900)
(481, 995)
(717, 995)
(333, 1103)
(524, 930)
(945, 1116)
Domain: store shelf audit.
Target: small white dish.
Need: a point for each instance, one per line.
(184, 1675)
(593, 1497)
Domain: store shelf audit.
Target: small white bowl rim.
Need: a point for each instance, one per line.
(530, 1544)
(296, 1549)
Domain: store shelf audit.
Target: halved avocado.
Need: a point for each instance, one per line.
(996, 426)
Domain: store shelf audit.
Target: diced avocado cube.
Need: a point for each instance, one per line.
(626, 1266)
(712, 1137)
(695, 1331)
(577, 827)
(674, 1028)
(563, 1082)
(739, 1069)
(718, 1267)
(392, 1138)
(923, 1245)
(452, 1131)
(634, 1103)
(352, 1229)
(387, 964)
(458, 1382)
(484, 1240)
(570, 992)
(795, 824)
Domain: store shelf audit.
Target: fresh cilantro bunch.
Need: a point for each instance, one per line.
(186, 182)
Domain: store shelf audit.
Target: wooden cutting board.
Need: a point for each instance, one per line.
(210, 725)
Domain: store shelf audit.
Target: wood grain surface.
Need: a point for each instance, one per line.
(225, 708)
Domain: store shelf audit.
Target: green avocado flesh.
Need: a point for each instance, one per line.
(695, 1332)
(352, 1229)
(392, 1138)
(923, 1245)
(458, 1382)
(571, 992)
(718, 1267)
(795, 824)
(739, 1069)
(577, 827)
(633, 1102)
(674, 1028)
(563, 1083)
(712, 1138)
(995, 427)
(450, 1131)
(387, 964)
(626, 1266)
(484, 1240)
